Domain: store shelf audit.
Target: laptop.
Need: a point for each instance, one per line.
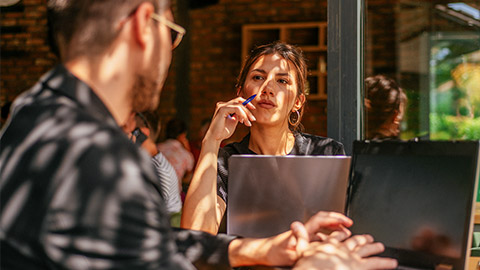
(417, 198)
(267, 193)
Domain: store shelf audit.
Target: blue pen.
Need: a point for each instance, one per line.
(249, 99)
(245, 103)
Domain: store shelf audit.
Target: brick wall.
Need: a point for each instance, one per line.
(25, 52)
(216, 52)
(215, 34)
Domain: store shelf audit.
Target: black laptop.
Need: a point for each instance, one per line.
(417, 198)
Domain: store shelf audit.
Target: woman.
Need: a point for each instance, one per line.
(276, 73)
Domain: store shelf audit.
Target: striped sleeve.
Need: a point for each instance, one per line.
(168, 182)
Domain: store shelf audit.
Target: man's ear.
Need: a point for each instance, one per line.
(141, 23)
(299, 101)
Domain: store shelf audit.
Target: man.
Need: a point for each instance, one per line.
(5, 112)
(77, 194)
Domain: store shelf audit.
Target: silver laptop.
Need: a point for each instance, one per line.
(267, 193)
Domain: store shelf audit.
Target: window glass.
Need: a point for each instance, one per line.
(422, 70)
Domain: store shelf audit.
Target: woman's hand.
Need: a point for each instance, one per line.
(227, 116)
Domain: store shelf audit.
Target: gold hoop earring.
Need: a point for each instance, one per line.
(296, 118)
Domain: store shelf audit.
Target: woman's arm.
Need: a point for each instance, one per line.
(203, 209)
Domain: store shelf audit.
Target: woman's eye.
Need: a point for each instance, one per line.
(283, 81)
(257, 77)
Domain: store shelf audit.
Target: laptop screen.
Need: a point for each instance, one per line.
(416, 198)
(267, 193)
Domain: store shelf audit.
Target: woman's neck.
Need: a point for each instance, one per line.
(271, 140)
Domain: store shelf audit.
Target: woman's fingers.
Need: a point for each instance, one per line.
(301, 234)
(341, 235)
(327, 221)
(235, 110)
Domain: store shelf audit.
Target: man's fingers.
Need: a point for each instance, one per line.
(358, 240)
(370, 249)
(301, 234)
(379, 263)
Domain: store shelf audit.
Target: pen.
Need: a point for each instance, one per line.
(249, 99)
(245, 102)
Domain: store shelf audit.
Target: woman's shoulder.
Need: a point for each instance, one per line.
(309, 144)
(237, 148)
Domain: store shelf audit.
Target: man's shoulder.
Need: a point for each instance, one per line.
(69, 133)
(59, 119)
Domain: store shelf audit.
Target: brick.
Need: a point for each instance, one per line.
(33, 2)
(8, 22)
(36, 41)
(26, 22)
(34, 14)
(13, 15)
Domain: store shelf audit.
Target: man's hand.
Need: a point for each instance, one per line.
(352, 253)
(286, 248)
(319, 227)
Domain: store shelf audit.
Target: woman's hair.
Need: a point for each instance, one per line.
(293, 55)
(383, 100)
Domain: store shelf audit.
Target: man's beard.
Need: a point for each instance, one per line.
(145, 94)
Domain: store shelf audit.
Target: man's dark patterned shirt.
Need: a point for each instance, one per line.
(75, 193)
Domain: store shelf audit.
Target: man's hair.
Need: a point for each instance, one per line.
(88, 27)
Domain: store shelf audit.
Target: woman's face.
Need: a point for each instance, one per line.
(274, 82)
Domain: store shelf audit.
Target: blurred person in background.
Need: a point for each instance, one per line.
(138, 128)
(385, 104)
(196, 143)
(176, 149)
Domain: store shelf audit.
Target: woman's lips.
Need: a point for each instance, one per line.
(266, 104)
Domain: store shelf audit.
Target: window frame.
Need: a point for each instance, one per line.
(345, 71)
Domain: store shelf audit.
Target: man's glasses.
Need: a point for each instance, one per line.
(176, 30)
